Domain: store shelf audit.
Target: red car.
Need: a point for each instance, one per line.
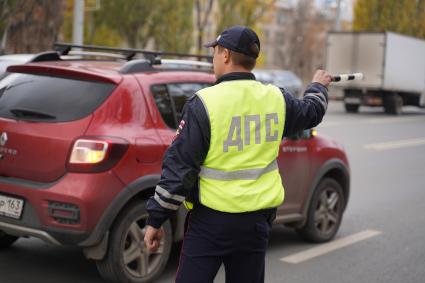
(81, 146)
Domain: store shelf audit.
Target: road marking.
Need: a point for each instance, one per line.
(375, 121)
(329, 247)
(394, 120)
(395, 144)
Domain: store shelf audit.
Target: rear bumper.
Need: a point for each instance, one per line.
(88, 194)
(17, 230)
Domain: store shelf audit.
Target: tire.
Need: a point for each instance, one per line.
(324, 213)
(127, 238)
(6, 240)
(393, 104)
(352, 108)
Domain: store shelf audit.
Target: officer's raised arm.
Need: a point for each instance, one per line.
(307, 112)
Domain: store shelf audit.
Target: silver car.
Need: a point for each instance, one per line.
(13, 59)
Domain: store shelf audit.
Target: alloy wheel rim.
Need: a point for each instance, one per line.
(137, 259)
(326, 216)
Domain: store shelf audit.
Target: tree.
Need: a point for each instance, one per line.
(161, 24)
(203, 12)
(128, 18)
(297, 38)
(171, 25)
(307, 37)
(30, 26)
(238, 12)
(419, 15)
(402, 16)
(96, 29)
(243, 12)
(7, 8)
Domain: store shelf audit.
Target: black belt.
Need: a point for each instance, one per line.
(204, 209)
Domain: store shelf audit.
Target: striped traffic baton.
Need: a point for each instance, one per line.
(347, 77)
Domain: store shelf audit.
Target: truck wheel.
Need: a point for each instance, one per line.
(352, 108)
(393, 104)
(127, 258)
(325, 212)
(6, 240)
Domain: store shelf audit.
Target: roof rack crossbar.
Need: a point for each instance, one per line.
(64, 49)
(99, 54)
(145, 65)
(187, 63)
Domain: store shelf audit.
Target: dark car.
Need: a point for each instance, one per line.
(281, 78)
(81, 146)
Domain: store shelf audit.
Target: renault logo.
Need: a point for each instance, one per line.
(3, 139)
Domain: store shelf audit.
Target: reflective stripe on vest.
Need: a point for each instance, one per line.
(247, 174)
(240, 172)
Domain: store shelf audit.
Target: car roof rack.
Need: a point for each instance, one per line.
(143, 65)
(128, 53)
(45, 56)
(138, 65)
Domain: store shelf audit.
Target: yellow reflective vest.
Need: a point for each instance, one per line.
(240, 172)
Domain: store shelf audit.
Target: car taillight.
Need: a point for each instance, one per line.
(96, 154)
(88, 152)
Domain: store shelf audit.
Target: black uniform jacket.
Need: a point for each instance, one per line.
(182, 161)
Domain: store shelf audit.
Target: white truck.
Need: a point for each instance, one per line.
(393, 66)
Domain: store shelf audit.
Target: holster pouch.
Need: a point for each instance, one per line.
(271, 217)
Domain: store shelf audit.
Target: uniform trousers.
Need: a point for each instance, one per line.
(236, 240)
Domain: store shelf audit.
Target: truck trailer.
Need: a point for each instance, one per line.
(393, 66)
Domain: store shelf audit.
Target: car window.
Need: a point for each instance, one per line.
(181, 92)
(171, 98)
(50, 99)
(163, 102)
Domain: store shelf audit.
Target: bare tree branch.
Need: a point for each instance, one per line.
(202, 16)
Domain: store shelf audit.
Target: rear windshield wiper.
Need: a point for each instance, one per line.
(27, 113)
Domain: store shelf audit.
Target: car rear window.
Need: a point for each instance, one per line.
(50, 99)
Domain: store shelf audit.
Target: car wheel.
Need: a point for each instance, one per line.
(127, 258)
(6, 240)
(352, 108)
(393, 104)
(325, 212)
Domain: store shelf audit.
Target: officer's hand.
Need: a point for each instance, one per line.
(322, 77)
(152, 238)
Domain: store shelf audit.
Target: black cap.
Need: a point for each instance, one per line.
(239, 39)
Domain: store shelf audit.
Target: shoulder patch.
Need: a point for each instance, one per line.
(179, 129)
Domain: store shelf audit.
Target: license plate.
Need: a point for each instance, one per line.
(11, 207)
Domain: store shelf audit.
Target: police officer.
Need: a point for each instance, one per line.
(222, 164)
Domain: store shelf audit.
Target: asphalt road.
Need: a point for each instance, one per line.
(381, 238)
